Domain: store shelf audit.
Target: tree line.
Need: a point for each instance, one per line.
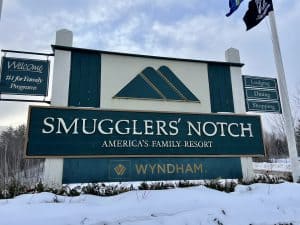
(13, 164)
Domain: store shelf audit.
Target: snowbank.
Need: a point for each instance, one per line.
(255, 204)
(280, 165)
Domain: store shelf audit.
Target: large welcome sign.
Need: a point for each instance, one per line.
(71, 132)
(24, 76)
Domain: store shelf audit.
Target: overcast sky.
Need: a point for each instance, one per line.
(195, 29)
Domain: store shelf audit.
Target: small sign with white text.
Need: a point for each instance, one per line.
(24, 76)
(261, 94)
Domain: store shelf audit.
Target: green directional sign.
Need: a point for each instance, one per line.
(24, 76)
(263, 106)
(261, 94)
(259, 82)
(69, 132)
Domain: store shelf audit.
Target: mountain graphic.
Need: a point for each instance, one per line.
(161, 84)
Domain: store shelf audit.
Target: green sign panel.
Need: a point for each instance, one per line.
(24, 76)
(259, 82)
(150, 169)
(70, 132)
(264, 106)
(261, 94)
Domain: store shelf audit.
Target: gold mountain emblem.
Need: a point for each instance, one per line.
(120, 169)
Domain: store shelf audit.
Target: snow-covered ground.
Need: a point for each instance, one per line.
(283, 165)
(257, 204)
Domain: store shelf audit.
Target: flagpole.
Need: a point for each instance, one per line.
(286, 109)
(1, 3)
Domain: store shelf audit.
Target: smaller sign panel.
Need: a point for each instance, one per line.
(69, 132)
(261, 94)
(259, 82)
(150, 169)
(24, 76)
(266, 106)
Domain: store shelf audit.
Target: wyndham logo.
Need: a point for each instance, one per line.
(160, 84)
(119, 169)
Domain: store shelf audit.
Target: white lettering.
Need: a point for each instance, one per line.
(22, 66)
(190, 125)
(127, 130)
(249, 129)
(230, 131)
(148, 127)
(173, 125)
(222, 127)
(84, 127)
(213, 125)
(61, 123)
(46, 123)
(110, 130)
(161, 127)
(134, 131)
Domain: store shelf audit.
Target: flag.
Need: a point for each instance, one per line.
(257, 11)
(233, 5)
